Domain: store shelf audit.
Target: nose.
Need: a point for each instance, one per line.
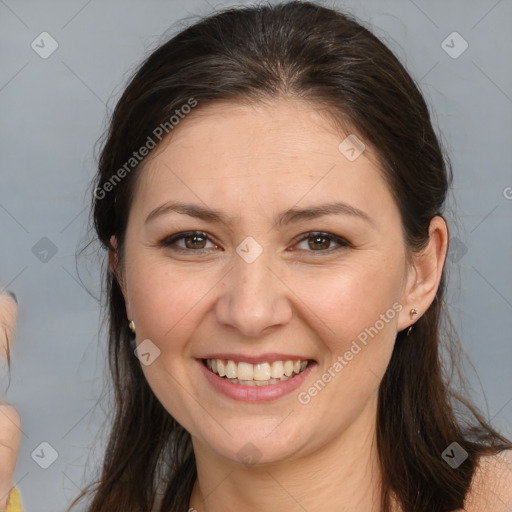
(254, 299)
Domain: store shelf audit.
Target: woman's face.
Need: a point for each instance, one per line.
(263, 287)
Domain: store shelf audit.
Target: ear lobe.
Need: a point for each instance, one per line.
(425, 273)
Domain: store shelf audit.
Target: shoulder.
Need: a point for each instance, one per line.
(491, 487)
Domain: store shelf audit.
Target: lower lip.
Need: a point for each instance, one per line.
(254, 393)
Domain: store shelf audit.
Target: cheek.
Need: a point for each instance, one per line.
(348, 300)
(355, 313)
(166, 303)
(163, 299)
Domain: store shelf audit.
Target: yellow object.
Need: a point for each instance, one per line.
(14, 503)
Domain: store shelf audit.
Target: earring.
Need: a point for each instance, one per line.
(131, 325)
(411, 313)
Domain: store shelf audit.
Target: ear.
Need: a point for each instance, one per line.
(113, 263)
(424, 274)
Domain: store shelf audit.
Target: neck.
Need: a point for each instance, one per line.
(342, 475)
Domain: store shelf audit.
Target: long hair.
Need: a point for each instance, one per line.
(327, 58)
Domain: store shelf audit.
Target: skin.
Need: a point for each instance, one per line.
(253, 162)
(10, 422)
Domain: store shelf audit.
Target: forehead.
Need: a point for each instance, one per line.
(262, 154)
(287, 128)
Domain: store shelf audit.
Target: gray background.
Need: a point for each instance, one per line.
(52, 113)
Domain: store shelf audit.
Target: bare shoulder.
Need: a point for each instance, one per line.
(491, 488)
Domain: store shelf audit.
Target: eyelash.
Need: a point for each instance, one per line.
(171, 240)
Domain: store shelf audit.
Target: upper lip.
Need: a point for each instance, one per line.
(262, 358)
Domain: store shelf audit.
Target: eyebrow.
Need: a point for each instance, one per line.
(287, 217)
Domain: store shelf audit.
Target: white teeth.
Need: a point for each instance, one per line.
(277, 370)
(257, 374)
(231, 372)
(262, 371)
(245, 371)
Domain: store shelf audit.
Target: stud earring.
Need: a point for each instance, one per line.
(131, 325)
(411, 313)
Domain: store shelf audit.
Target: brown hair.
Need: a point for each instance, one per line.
(304, 51)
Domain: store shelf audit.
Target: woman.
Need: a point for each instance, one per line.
(270, 194)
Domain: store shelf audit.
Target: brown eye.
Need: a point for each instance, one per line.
(319, 242)
(322, 242)
(193, 241)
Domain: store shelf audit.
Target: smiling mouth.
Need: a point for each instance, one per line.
(262, 374)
